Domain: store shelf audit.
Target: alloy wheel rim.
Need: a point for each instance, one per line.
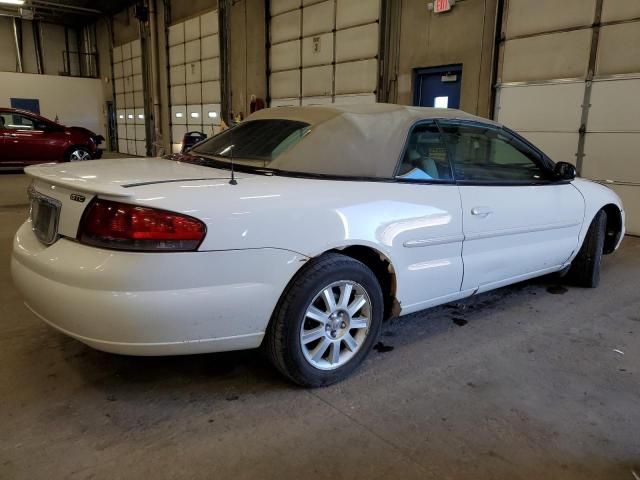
(79, 155)
(336, 325)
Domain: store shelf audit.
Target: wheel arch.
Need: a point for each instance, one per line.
(614, 227)
(382, 268)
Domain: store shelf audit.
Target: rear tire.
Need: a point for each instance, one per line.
(585, 268)
(314, 344)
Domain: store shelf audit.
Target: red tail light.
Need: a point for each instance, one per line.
(121, 226)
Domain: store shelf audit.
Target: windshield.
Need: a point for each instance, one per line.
(261, 141)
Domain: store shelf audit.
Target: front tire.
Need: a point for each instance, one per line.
(585, 268)
(326, 322)
(78, 154)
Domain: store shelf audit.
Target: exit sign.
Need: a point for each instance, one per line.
(440, 6)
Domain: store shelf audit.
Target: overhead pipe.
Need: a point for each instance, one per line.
(37, 44)
(155, 76)
(17, 38)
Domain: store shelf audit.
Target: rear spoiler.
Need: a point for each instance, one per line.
(53, 177)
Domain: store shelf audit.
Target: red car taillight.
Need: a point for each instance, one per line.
(122, 226)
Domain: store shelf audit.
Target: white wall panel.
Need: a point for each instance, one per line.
(178, 95)
(209, 23)
(357, 12)
(194, 72)
(117, 54)
(285, 84)
(630, 196)
(126, 51)
(136, 49)
(194, 114)
(211, 92)
(526, 18)
(192, 29)
(176, 34)
(136, 66)
(280, 6)
(176, 55)
(612, 156)
(210, 47)
(618, 49)
(192, 51)
(137, 83)
(615, 10)
(317, 100)
(552, 107)
(118, 70)
(356, 77)
(559, 146)
(211, 114)
(285, 27)
(138, 99)
(357, 43)
(194, 94)
(547, 57)
(615, 106)
(318, 18)
(210, 69)
(285, 102)
(177, 75)
(365, 98)
(285, 56)
(179, 115)
(317, 81)
(317, 50)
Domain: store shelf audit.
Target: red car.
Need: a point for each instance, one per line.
(27, 138)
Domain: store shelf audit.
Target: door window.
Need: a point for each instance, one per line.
(15, 121)
(487, 154)
(425, 156)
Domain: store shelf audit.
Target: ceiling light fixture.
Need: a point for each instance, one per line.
(12, 2)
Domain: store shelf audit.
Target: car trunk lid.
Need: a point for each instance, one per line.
(60, 193)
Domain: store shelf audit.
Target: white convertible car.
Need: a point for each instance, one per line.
(302, 230)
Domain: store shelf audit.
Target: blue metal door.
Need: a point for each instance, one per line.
(438, 86)
(28, 104)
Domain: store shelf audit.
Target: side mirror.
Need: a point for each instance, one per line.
(565, 171)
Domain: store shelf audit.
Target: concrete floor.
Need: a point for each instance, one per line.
(529, 382)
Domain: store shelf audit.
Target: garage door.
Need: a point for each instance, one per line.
(323, 51)
(194, 76)
(576, 94)
(129, 88)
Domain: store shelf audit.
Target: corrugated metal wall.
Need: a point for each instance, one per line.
(194, 76)
(129, 88)
(323, 51)
(569, 80)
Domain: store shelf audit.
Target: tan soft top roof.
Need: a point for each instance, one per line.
(352, 140)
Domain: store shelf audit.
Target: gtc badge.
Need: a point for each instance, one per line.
(78, 198)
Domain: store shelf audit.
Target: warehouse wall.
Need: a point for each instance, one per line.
(570, 82)
(248, 56)
(53, 44)
(75, 101)
(323, 51)
(465, 35)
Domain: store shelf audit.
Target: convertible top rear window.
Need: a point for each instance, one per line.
(260, 141)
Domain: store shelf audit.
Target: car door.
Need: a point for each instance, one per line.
(519, 221)
(27, 141)
(427, 242)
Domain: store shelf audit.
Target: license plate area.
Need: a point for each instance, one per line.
(44, 215)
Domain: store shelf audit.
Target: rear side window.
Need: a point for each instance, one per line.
(486, 154)
(15, 121)
(261, 140)
(425, 156)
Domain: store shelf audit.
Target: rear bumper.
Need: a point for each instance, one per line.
(152, 303)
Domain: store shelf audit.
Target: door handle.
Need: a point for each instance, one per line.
(481, 212)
